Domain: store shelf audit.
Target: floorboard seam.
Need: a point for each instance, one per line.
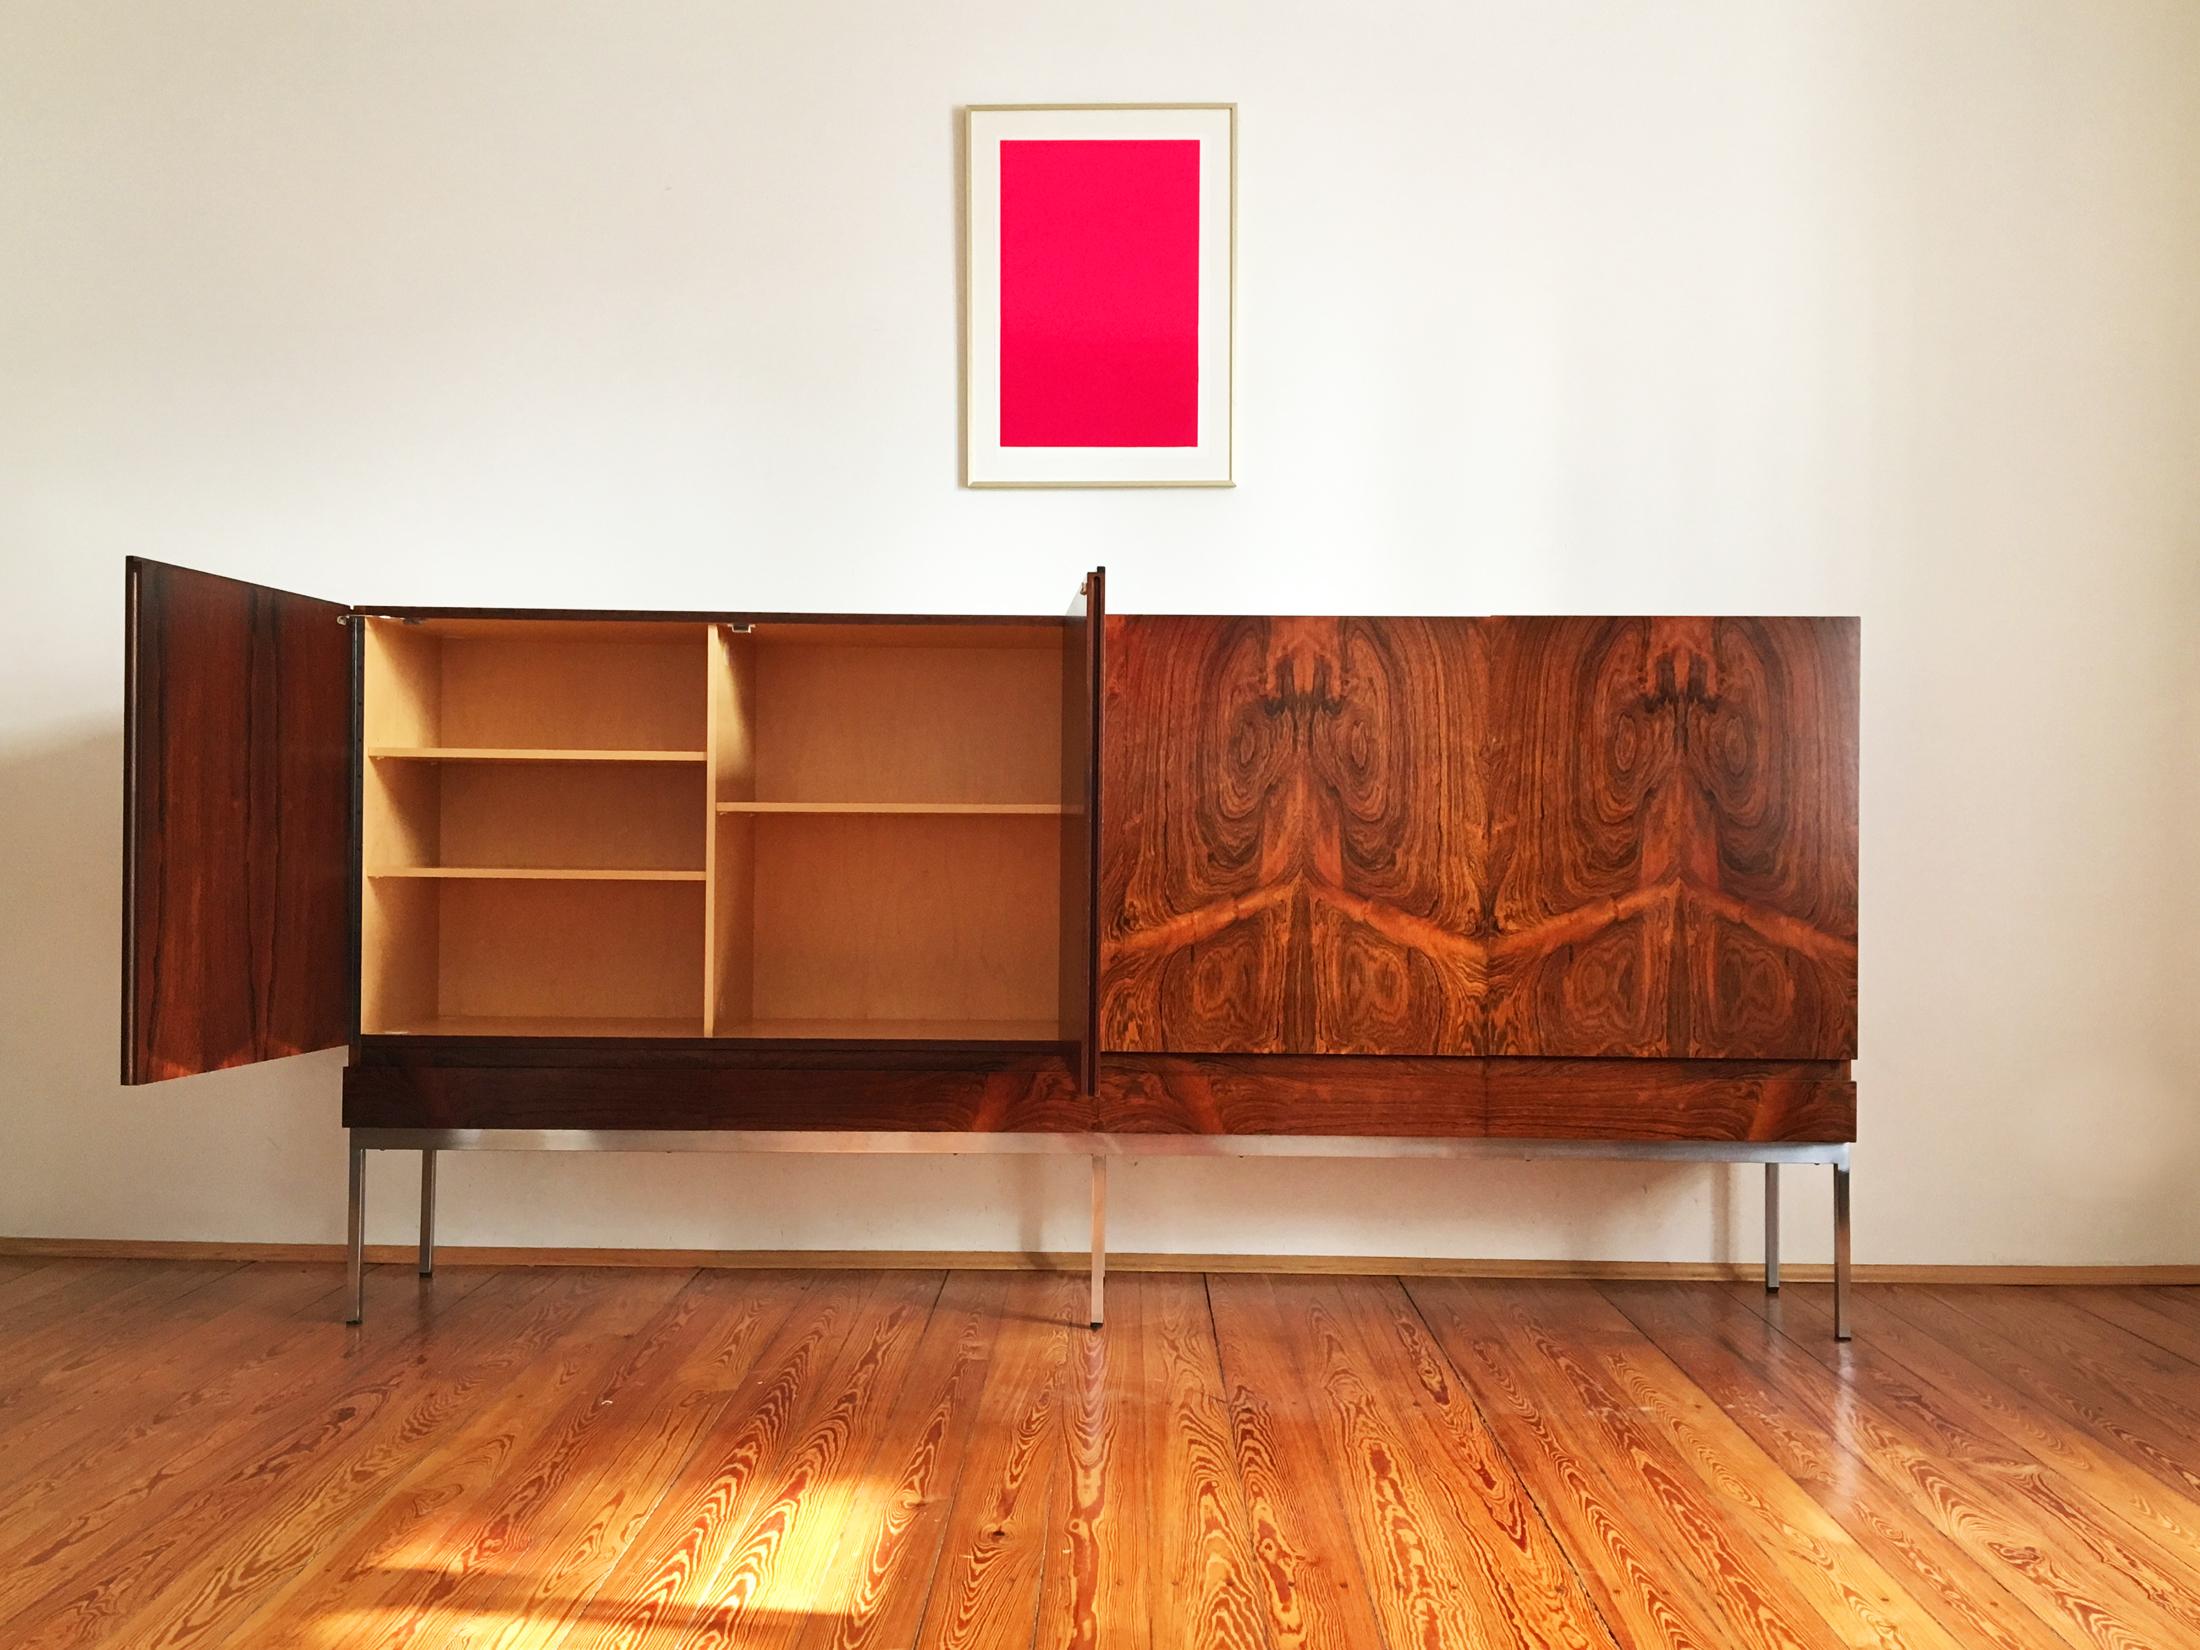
(2082, 1299)
(1497, 1443)
(1237, 1461)
(2024, 1610)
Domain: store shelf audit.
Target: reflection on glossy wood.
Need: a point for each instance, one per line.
(2002, 1431)
(1888, 1480)
(1480, 836)
(200, 1455)
(1752, 1544)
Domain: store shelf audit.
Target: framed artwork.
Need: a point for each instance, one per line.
(1099, 294)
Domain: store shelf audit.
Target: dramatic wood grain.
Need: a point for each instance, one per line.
(857, 1534)
(1465, 1097)
(560, 1458)
(1658, 1550)
(890, 1540)
(1206, 1555)
(984, 1590)
(1448, 1535)
(1673, 837)
(1553, 837)
(236, 1570)
(551, 1483)
(236, 824)
(1685, 1459)
(1309, 1569)
(1094, 1587)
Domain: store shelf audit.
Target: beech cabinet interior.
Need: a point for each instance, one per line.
(766, 831)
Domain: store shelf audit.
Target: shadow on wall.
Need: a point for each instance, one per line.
(61, 944)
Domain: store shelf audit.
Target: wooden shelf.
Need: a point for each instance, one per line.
(477, 753)
(533, 873)
(896, 1031)
(839, 1031)
(542, 1025)
(960, 635)
(561, 825)
(989, 808)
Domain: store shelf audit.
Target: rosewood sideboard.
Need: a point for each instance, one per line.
(1083, 883)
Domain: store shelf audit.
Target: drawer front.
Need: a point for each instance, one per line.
(1027, 1094)
(1470, 1099)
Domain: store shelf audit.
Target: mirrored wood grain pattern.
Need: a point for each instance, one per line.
(1522, 836)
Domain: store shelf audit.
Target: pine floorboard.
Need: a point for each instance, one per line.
(201, 1453)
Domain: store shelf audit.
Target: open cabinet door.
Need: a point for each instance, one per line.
(1081, 826)
(237, 824)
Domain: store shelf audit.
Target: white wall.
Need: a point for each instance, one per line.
(1876, 308)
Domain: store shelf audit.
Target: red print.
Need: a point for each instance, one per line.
(1100, 292)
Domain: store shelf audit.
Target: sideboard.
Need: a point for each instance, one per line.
(1082, 883)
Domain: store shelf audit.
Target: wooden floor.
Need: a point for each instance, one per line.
(202, 1454)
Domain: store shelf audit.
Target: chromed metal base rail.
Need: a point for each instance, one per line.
(1772, 1228)
(1099, 1148)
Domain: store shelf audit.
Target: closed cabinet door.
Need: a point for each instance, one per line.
(1290, 822)
(1557, 837)
(237, 823)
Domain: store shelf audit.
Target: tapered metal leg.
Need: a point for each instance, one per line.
(355, 1238)
(427, 1213)
(1840, 1251)
(1772, 1227)
(1099, 1235)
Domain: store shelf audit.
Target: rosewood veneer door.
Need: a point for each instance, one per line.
(237, 822)
(1557, 837)
(1673, 837)
(1291, 835)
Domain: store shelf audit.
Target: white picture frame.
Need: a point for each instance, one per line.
(1207, 460)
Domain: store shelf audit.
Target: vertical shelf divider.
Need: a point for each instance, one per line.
(729, 922)
(713, 645)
